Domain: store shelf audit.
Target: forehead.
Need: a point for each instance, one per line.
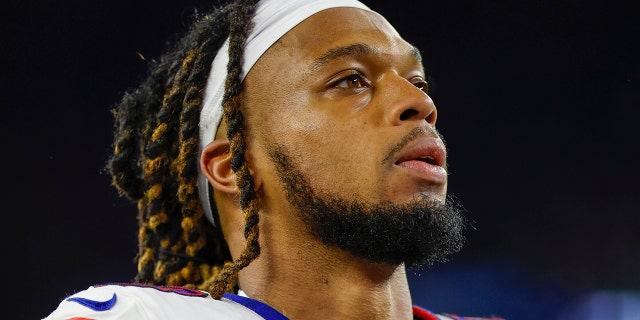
(331, 29)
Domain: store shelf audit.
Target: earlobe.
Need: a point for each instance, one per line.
(215, 163)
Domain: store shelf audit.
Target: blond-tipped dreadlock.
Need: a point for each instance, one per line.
(155, 157)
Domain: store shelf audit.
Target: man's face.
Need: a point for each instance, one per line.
(342, 91)
(341, 102)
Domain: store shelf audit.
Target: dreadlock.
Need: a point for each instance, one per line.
(155, 157)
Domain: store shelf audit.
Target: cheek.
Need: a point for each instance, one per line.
(338, 158)
(331, 147)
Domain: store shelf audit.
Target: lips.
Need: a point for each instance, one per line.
(425, 158)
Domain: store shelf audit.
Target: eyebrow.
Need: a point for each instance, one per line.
(354, 50)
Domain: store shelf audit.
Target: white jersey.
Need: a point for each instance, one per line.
(140, 302)
(128, 301)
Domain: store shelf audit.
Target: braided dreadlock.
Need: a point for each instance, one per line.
(155, 157)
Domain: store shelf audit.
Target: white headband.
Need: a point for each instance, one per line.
(272, 20)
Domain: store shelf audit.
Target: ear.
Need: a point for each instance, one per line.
(215, 163)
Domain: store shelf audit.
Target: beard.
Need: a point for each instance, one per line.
(423, 231)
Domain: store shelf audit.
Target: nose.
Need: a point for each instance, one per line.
(405, 102)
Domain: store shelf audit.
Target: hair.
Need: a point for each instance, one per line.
(155, 157)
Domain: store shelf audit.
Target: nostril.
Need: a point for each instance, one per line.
(431, 118)
(407, 114)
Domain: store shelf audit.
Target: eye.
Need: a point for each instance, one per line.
(421, 84)
(353, 80)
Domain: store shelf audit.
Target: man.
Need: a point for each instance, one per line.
(284, 157)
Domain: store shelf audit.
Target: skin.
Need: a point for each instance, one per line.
(339, 118)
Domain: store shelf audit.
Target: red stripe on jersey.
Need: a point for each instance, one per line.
(423, 314)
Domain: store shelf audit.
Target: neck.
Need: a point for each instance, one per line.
(305, 279)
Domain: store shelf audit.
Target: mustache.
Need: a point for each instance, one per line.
(415, 133)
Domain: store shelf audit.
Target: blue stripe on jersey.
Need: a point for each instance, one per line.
(95, 305)
(263, 309)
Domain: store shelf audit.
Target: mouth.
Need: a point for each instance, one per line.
(426, 150)
(425, 158)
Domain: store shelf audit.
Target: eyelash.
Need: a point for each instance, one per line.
(423, 85)
(353, 75)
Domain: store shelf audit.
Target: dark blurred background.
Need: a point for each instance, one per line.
(538, 102)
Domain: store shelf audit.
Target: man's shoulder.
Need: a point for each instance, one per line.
(421, 313)
(138, 301)
(447, 316)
